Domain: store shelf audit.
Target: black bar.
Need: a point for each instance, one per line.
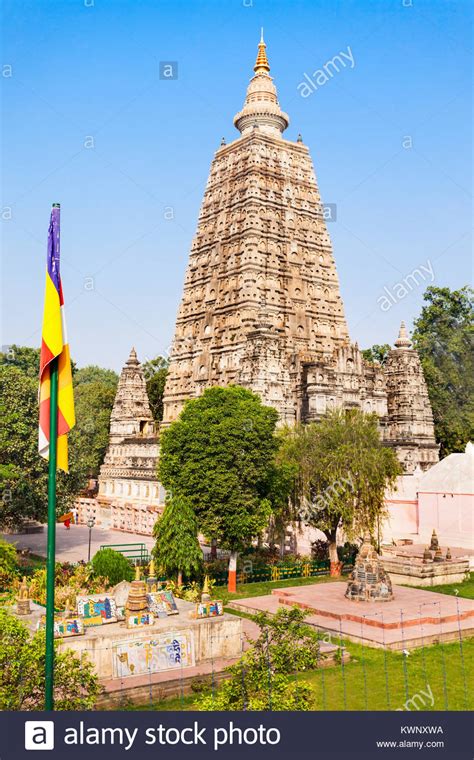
(328, 736)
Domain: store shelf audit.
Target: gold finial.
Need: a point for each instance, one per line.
(205, 596)
(137, 572)
(261, 64)
(151, 569)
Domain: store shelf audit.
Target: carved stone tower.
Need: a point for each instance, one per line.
(129, 492)
(261, 305)
(411, 429)
(261, 286)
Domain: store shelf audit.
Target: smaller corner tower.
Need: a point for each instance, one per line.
(410, 419)
(129, 493)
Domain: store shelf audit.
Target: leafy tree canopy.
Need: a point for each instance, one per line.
(23, 473)
(377, 353)
(25, 358)
(94, 374)
(22, 672)
(219, 455)
(343, 472)
(264, 677)
(94, 396)
(443, 337)
(156, 371)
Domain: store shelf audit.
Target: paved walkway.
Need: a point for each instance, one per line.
(414, 618)
(72, 544)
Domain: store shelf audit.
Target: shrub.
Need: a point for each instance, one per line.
(8, 564)
(264, 677)
(110, 564)
(320, 550)
(256, 690)
(70, 580)
(22, 672)
(347, 553)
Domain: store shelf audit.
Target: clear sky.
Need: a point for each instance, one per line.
(89, 123)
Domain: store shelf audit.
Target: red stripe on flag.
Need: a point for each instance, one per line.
(46, 356)
(63, 426)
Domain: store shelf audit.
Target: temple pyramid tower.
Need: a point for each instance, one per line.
(130, 497)
(411, 419)
(261, 304)
(261, 288)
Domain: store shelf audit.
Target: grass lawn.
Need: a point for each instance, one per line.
(375, 680)
(464, 589)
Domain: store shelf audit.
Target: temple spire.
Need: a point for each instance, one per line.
(261, 108)
(261, 64)
(403, 340)
(132, 359)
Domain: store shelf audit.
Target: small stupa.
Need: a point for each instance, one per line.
(137, 598)
(427, 556)
(434, 545)
(369, 582)
(23, 599)
(205, 595)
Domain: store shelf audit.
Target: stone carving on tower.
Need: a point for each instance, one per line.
(411, 429)
(129, 492)
(261, 304)
(261, 260)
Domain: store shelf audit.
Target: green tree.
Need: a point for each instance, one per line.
(443, 337)
(23, 473)
(25, 358)
(156, 371)
(94, 394)
(177, 549)
(281, 485)
(22, 672)
(264, 677)
(343, 473)
(94, 374)
(377, 353)
(8, 564)
(219, 455)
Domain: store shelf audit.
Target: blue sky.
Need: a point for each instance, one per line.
(80, 69)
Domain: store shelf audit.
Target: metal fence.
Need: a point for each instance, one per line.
(349, 674)
(136, 553)
(277, 572)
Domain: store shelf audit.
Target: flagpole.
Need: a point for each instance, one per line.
(51, 552)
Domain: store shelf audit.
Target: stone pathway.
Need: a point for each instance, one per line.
(72, 544)
(412, 619)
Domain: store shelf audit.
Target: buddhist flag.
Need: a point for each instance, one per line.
(54, 344)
